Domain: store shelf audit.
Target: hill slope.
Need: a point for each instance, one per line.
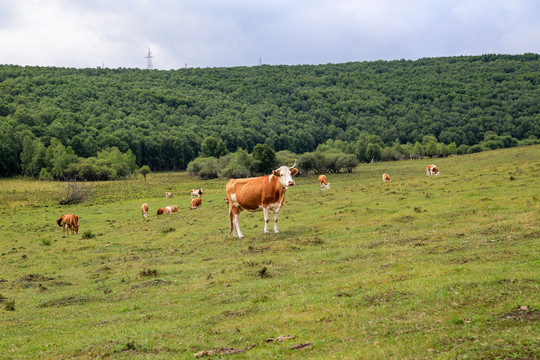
(421, 267)
(163, 116)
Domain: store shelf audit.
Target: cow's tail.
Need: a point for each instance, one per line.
(59, 221)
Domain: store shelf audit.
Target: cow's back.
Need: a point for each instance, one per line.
(323, 180)
(253, 193)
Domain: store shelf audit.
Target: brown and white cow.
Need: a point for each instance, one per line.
(196, 192)
(144, 210)
(325, 185)
(432, 170)
(196, 203)
(385, 177)
(173, 208)
(165, 210)
(169, 195)
(259, 193)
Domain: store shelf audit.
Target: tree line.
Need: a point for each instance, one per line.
(162, 118)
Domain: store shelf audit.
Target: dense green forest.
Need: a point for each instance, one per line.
(161, 118)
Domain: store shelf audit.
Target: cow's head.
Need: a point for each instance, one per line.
(285, 174)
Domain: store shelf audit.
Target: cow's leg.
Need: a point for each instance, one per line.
(275, 221)
(266, 211)
(231, 223)
(237, 223)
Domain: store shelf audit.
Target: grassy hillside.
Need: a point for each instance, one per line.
(164, 116)
(422, 267)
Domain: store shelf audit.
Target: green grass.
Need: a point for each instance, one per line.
(444, 267)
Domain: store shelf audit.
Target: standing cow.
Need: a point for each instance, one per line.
(69, 222)
(325, 185)
(144, 210)
(432, 170)
(259, 193)
(385, 177)
(196, 192)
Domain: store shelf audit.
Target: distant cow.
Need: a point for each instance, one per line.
(259, 193)
(432, 170)
(196, 192)
(196, 203)
(385, 177)
(169, 195)
(325, 185)
(144, 210)
(68, 222)
(165, 210)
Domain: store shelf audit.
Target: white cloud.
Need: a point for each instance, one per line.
(206, 33)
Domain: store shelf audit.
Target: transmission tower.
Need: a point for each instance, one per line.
(149, 62)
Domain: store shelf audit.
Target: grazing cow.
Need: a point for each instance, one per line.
(196, 192)
(169, 195)
(196, 203)
(259, 193)
(68, 222)
(164, 210)
(144, 210)
(432, 170)
(385, 177)
(325, 185)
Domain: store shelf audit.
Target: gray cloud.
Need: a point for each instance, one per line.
(213, 33)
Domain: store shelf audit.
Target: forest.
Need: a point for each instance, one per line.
(106, 123)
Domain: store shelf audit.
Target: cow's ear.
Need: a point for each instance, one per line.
(276, 173)
(294, 172)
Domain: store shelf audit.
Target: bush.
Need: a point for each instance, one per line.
(307, 162)
(75, 193)
(204, 167)
(45, 175)
(475, 149)
(346, 162)
(88, 234)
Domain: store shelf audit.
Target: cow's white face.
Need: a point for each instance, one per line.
(285, 175)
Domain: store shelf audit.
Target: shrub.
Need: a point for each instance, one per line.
(475, 149)
(46, 242)
(88, 234)
(9, 305)
(75, 193)
(204, 167)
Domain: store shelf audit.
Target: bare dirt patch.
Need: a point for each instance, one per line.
(223, 351)
(154, 282)
(523, 313)
(66, 301)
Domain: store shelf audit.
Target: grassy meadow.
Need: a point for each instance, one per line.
(442, 267)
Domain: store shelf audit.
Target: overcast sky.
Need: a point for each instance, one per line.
(223, 33)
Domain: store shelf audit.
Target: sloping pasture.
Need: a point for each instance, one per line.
(440, 267)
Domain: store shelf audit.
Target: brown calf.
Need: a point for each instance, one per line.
(144, 210)
(68, 222)
(196, 203)
(325, 185)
